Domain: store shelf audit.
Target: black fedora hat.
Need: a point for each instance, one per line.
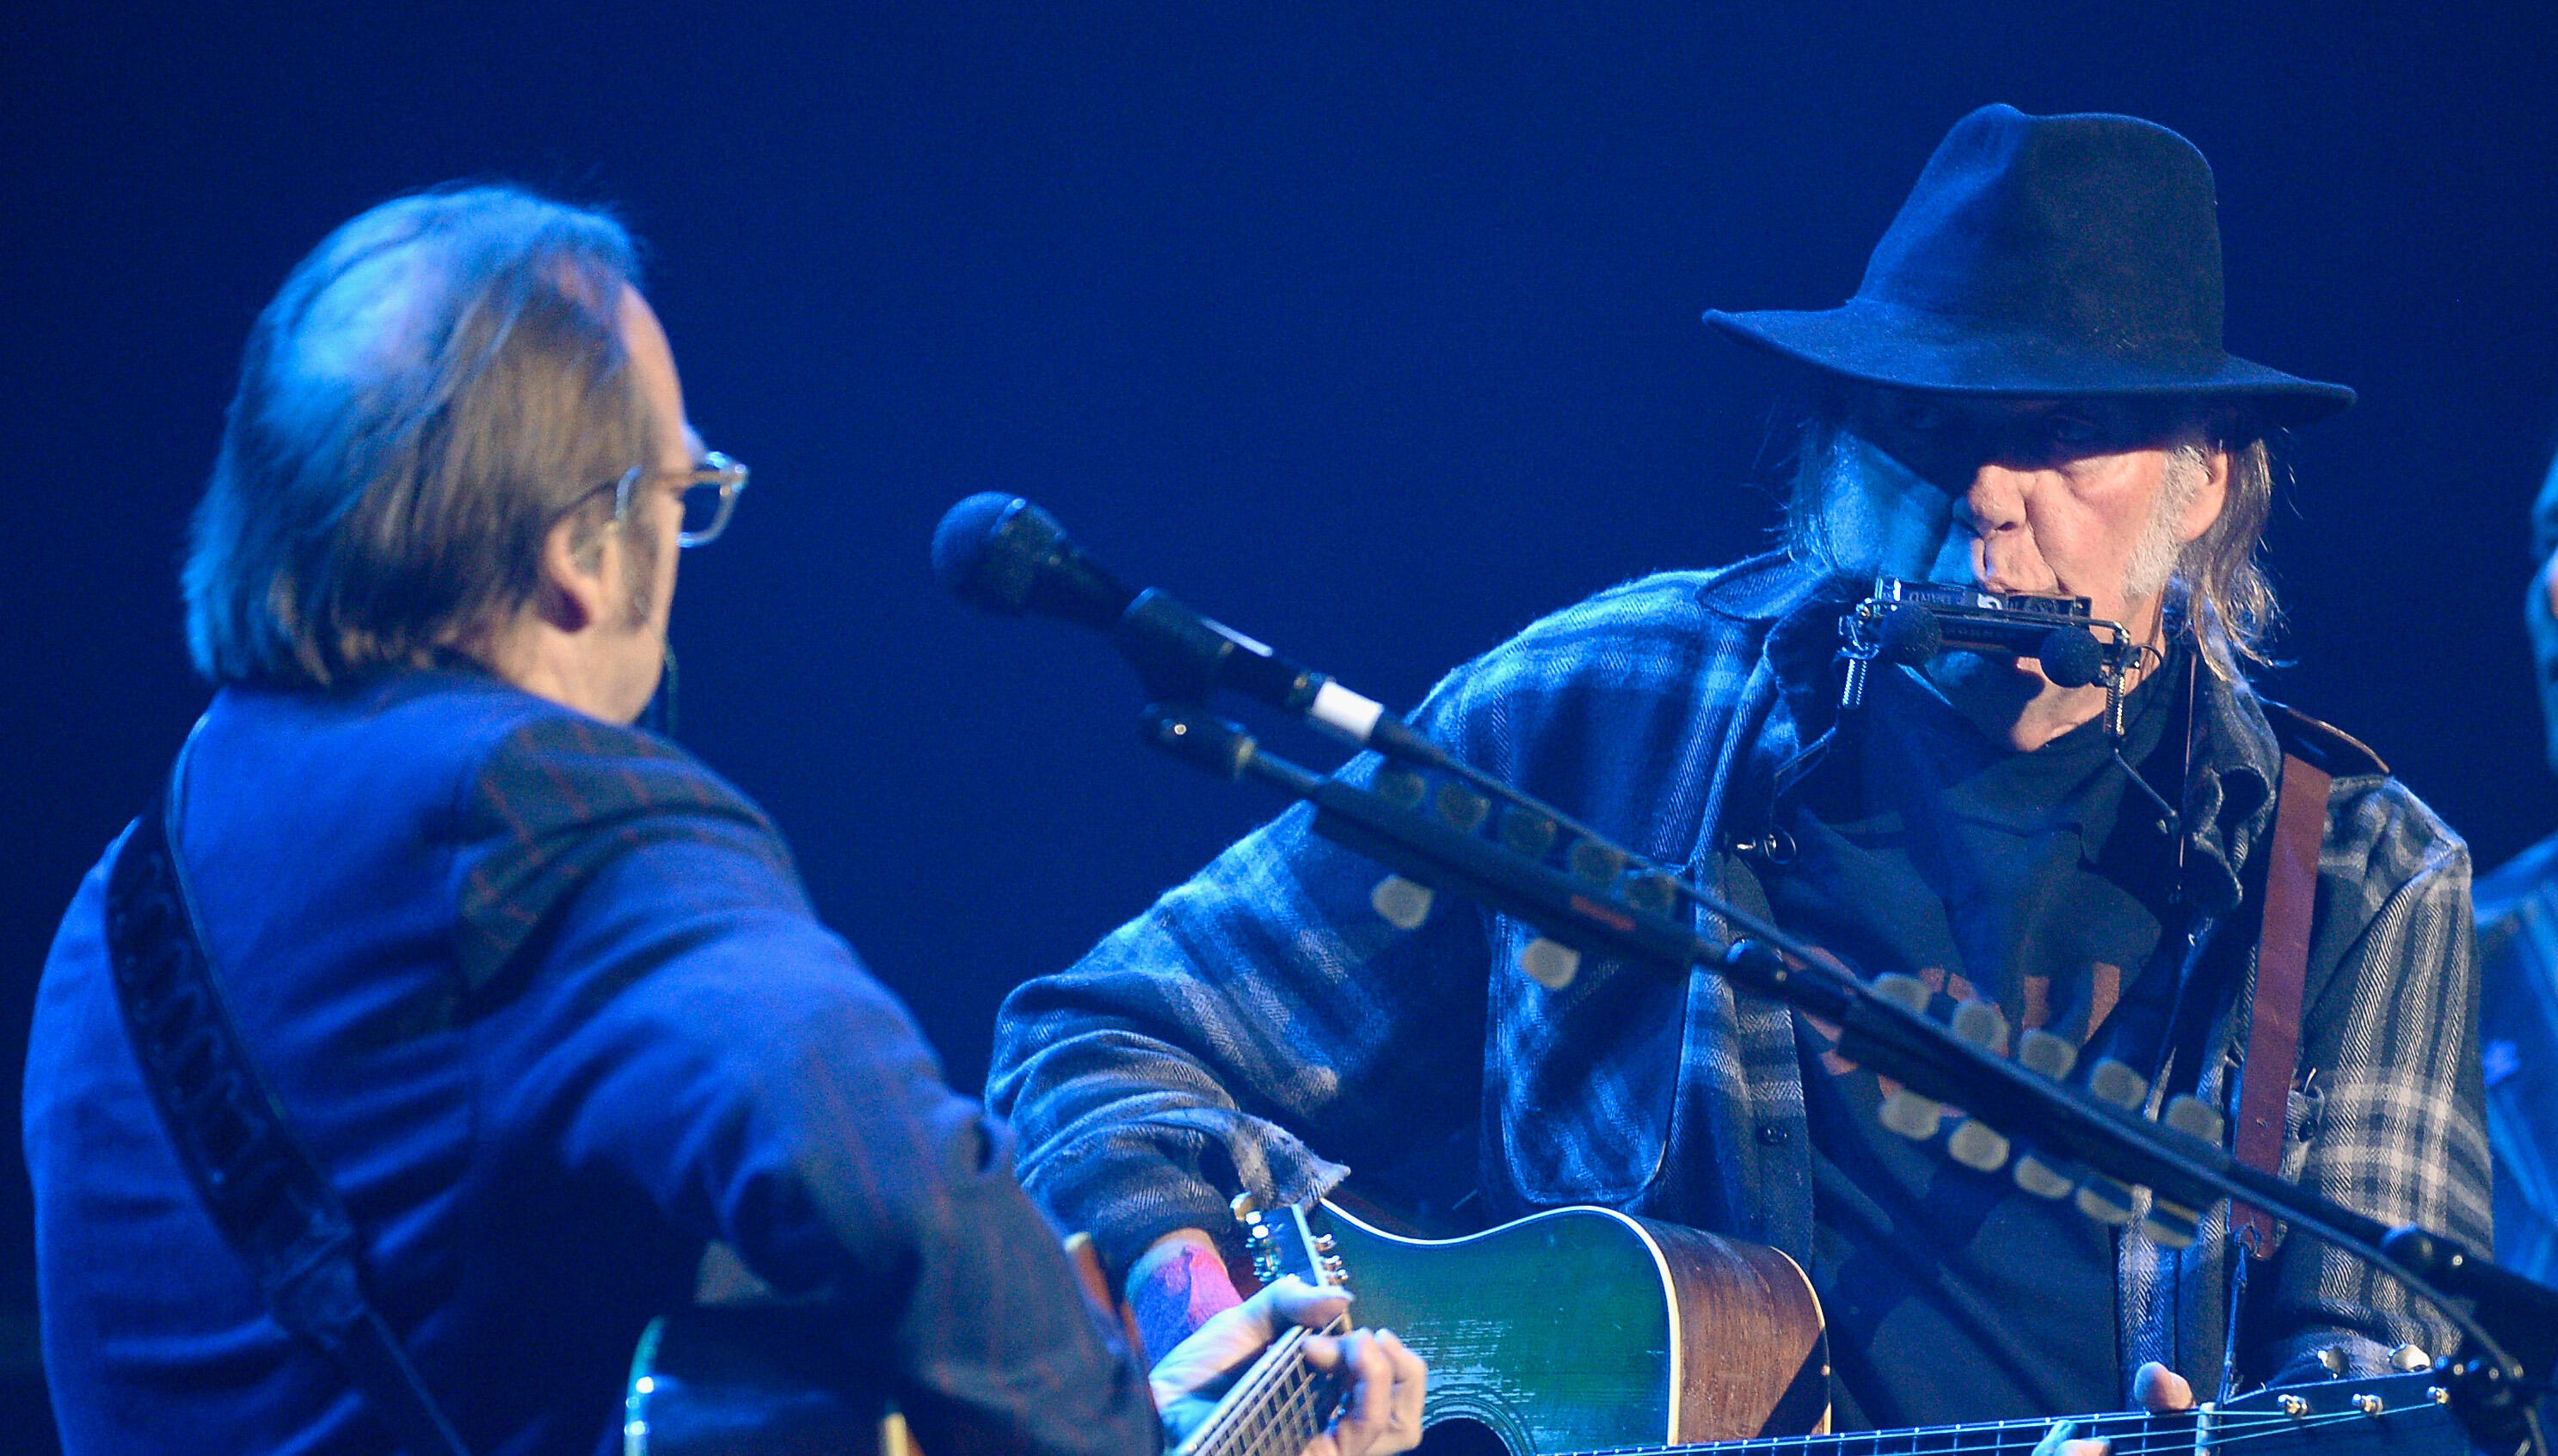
(2045, 255)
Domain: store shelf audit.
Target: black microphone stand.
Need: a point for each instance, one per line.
(2510, 1325)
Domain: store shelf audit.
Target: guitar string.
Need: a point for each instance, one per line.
(1290, 1423)
(1249, 1408)
(1278, 1421)
(1282, 1424)
(2146, 1435)
(1291, 1418)
(1295, 1414)
(2025, 1435)
(2237, 1425)
(1239, 1412)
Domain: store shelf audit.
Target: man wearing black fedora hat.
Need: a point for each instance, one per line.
(2023, 416)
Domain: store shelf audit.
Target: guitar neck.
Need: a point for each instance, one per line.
(1274, 1411)
(2132, 1434)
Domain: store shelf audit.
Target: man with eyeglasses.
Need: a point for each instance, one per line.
(539, 994)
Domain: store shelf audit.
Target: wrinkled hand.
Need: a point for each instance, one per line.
(2155, 1388)
(1381, 1412)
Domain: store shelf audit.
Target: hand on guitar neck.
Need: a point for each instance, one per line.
(1186, 1305)
(2155, 1388)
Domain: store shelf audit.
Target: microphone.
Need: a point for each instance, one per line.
(1907, 634)
(1004, 554)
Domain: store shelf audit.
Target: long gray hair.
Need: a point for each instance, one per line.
(2218, 597)
(438, 383)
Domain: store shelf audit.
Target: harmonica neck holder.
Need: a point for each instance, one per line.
(1908, 623)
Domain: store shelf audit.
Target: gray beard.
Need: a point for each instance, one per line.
(2158, 554)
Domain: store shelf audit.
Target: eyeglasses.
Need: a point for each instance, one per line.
(710, 492)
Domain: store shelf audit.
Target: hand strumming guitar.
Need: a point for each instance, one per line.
(1183, 1299)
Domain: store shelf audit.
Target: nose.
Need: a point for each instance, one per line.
(1997, 512)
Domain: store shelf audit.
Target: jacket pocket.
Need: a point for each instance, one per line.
(1580, 1082)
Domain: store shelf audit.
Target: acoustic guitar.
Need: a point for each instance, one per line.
(1578, 1332)
(1584, 1331)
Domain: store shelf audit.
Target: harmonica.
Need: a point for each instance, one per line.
(1910, 621)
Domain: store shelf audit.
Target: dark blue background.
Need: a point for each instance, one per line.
(1372, 329)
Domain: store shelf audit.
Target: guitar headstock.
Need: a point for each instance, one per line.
(1284, 1241)
(1983, 1148)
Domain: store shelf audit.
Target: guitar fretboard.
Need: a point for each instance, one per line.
(1280, 1404)
(2185, 1433)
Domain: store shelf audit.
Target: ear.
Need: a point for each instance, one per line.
(574, 591)
(2208, 502)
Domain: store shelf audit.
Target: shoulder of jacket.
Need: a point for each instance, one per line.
(2321, 744)
(1760, 588)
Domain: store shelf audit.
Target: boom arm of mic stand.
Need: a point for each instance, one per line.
(1894, 1040)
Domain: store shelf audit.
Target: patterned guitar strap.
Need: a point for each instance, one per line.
(273, 1206)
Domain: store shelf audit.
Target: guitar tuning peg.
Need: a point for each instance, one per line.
(1550, 964)
(1978, 1145)
(2118, 1084)
(1528, 833)
(2195, 1118)
(1912, 1116)
(2104, 1200)
(1461, 807)
(2052, 1056)
(1401, 903)
(1983, 1025)
(2042, 1178)
(1907, 993)
(2169, 1226)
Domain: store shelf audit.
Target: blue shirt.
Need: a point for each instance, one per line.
(545, 1000)
(2517, 909)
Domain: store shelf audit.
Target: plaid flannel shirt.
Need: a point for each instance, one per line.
(2517, 909)
(1260, 1027)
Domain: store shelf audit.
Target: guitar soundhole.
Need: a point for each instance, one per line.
(1460, 1436)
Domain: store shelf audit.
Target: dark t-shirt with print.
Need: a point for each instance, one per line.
(2039, 882)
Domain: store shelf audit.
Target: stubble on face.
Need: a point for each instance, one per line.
(2161, 549)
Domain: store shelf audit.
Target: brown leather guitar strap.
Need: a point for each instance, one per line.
(2282, 967)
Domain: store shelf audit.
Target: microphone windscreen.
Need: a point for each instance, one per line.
(2070, 657)
(961, 545)
(1909, 635)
